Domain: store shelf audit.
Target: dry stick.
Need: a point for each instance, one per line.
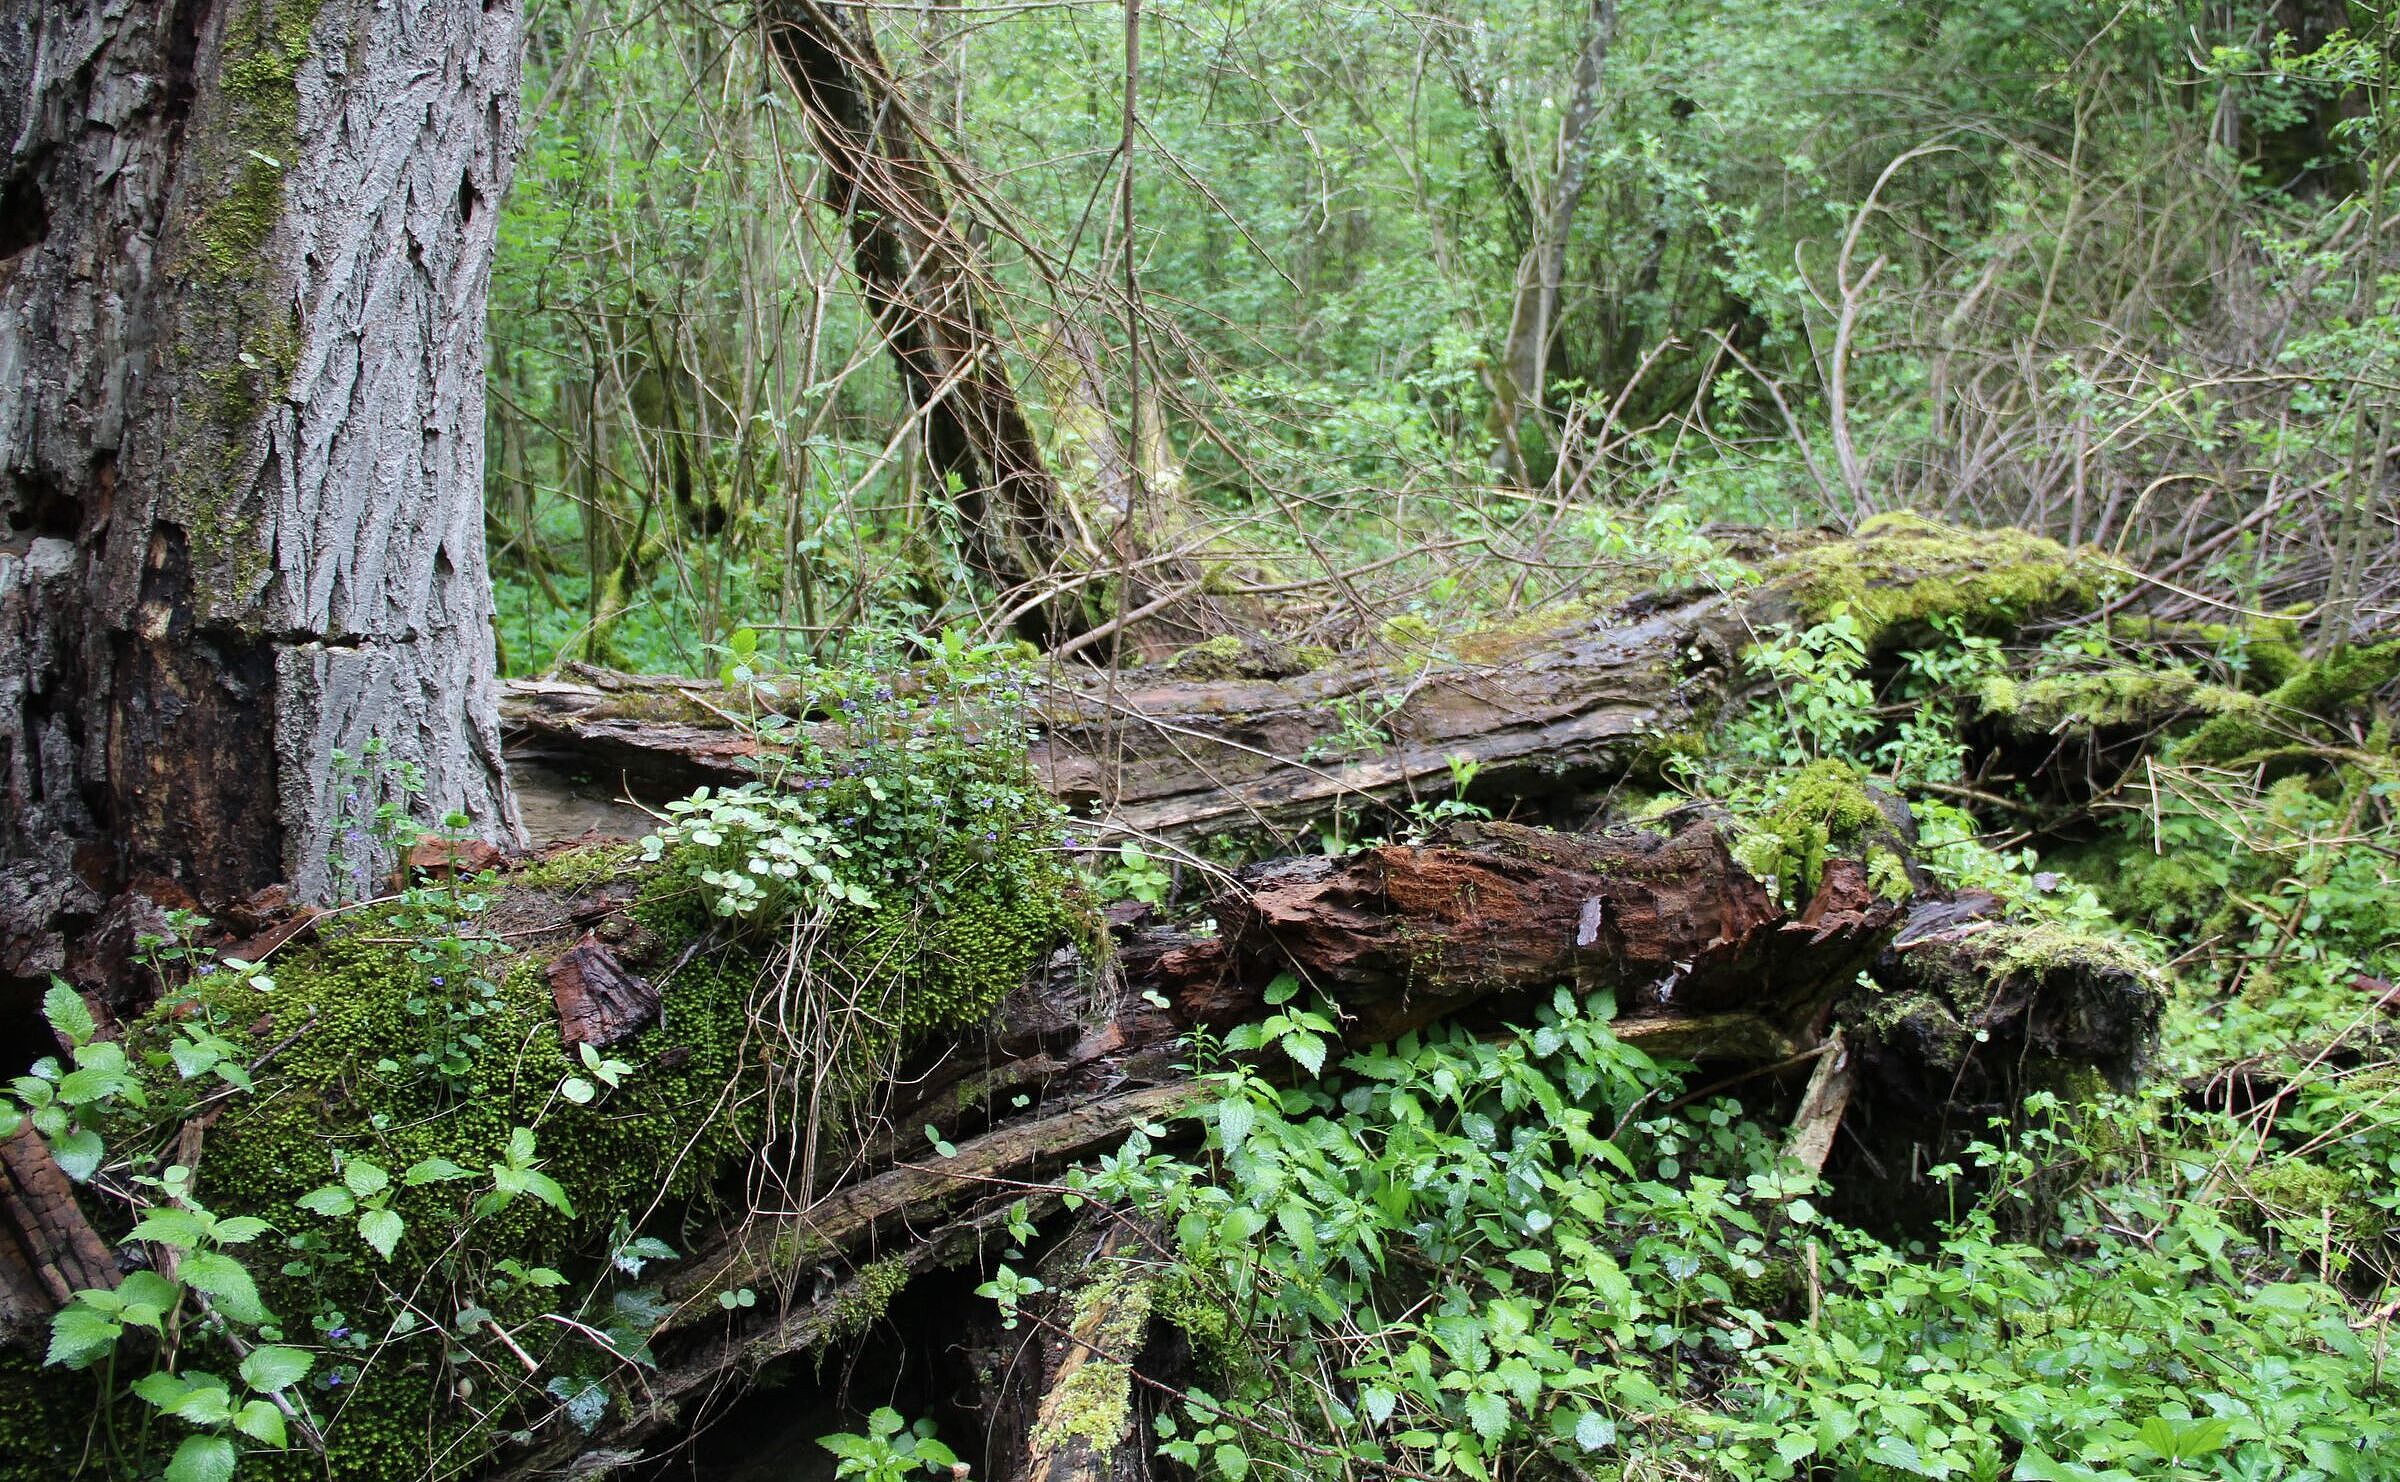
(1122, 621)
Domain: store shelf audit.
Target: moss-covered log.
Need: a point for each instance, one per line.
(1548, 705)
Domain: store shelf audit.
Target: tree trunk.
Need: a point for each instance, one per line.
(1548, 710)
(924, 287)
(1533, 309)
(247, 245)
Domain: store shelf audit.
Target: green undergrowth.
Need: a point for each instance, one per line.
(403, 1220)
(1457, 1255)
(1532, 1253)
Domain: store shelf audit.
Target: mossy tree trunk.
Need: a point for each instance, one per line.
(244, 252)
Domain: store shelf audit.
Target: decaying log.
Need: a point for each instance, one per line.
(1086, 1424)
(1558, 704)
(48, 1249)
(1402, 935)
(599, 1002)
(1704, 962)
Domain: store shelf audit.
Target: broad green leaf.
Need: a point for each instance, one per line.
(79, 1153)
(382, 1229)
(1236, 1115)
(147, 1297)
(68, 1014)
(80, 1334)
(1594, 1431)
(1488, 1414)
(240, 1230)
(332, 1200)
(274, 1366)
(171, 1226)
(545, 1188)
(162, 1389)
(433, 1170)
(227, 1284)
(202, 1459)
(261, 1421)
(1307, 1049)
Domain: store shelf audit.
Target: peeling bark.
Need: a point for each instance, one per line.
(599, 1003)
(48, 1250)
(241, 429)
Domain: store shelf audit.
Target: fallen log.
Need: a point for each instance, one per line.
(1705, 963)
(1556, 703)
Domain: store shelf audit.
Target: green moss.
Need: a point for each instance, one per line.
(1825, 808)
(1654, 760)
(1888, 873)
(342, 1088)
(1215, 658)
(351, 1008)
(1228, 656)
(865, 1299)
(1094, 1404)
(238, 338)
(2268, 649)
(1945, 1010)
(577, 868)
(2308, 1200)
(2310, 695)
(1215, 1333)
(1902, 570)
(2084, 701)
(1493, 642)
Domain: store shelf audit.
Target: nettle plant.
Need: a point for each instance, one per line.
(201, 1290)
(1456, 1256)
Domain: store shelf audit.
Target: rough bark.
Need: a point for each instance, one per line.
(241, 424)
(599, 1002)
(48, 1249)
(923, 284)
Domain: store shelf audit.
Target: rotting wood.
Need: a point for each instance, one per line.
(599, 1002)
(1550, 708)
(48, 1249)
(1476, 926)
(1086, 1425)
(1814, 1126)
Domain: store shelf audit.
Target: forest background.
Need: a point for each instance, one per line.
(1958, 437)
(1425, 299)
